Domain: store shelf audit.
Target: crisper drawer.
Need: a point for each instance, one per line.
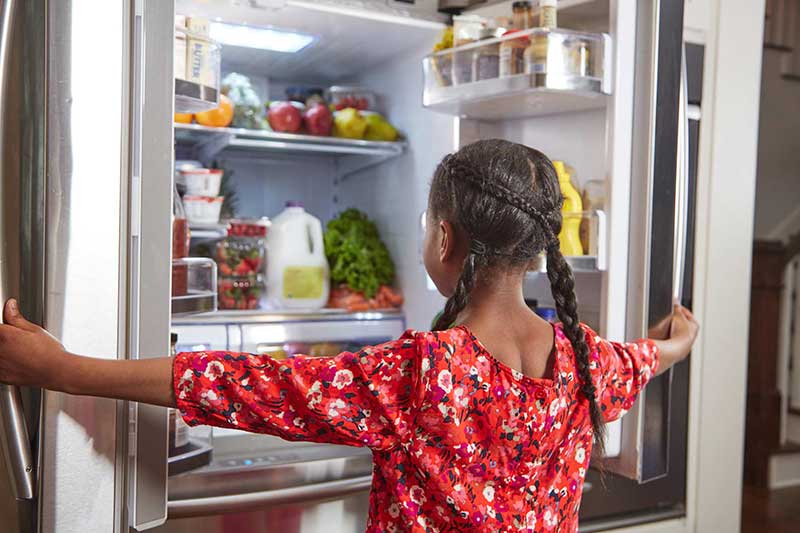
(328, 332)
(197, 337)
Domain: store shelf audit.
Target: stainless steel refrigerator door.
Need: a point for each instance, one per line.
(80, 474)
(18, 230)
(22, 190)
(150, 247)
(655, 200)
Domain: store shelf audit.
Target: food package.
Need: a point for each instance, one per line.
(342, 297)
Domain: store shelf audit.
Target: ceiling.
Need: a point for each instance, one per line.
(351, 36)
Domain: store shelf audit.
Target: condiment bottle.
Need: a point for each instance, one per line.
(512, 55)
(536, 53)
(522, 15)
(571, 212)
(178, 429)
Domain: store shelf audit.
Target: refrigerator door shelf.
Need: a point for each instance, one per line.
(572, 73)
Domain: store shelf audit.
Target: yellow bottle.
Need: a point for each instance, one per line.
(571, 212)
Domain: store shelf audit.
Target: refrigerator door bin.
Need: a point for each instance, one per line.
(566, 71)
(197, 72)
(194, 285)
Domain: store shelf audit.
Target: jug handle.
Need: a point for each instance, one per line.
(317, 242)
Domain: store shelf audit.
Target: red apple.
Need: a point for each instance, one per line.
(284, 117)
(318, 120)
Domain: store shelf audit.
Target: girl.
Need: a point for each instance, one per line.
(484, 424)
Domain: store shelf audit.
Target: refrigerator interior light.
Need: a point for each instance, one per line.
(260, 38)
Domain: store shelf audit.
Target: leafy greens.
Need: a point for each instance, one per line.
(356, 254)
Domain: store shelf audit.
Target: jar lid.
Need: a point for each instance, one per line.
(520, 5)
(247, 228)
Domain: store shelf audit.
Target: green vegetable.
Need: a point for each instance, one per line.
(356, 254)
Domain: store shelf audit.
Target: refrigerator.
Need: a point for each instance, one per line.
(87, 95)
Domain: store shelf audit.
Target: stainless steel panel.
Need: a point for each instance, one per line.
(298, 487)
(645, 429)
(345, 515)
(14, 224)
(150, 244)
(86, 113)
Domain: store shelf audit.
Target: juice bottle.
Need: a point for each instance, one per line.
(571, 212)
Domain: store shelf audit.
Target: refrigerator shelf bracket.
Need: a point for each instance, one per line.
(350, 155)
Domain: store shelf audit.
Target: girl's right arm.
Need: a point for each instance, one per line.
(621, 370)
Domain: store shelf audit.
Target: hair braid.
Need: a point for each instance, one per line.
(562, 285)
(458, 301)
(507, 198)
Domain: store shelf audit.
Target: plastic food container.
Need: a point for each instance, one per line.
(239, 292)
(202, 181)
(242, 252)
(194, 282)
(355, 97)
(203, 209)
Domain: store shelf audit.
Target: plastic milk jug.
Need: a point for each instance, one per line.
(298, 276)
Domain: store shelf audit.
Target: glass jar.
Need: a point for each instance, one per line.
(521, 15)
(467, 29)
(486, 58)
(180, 227)
(512, 55)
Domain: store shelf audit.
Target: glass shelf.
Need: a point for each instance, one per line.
(548, 71)
(352, 154)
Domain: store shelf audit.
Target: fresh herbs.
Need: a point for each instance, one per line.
(356, 254)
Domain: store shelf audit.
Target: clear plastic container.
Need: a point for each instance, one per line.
(242, 252)
(194, 282)
(356, 97)
(240, 292)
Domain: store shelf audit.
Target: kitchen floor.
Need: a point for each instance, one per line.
(776, 511)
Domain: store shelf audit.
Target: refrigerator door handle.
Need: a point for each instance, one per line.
(15, 441)
(681, 186)
(214, 505)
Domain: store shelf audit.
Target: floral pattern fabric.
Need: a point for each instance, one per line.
(461, 442)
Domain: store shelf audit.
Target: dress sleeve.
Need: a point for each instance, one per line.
(356, 399)
(620, 371)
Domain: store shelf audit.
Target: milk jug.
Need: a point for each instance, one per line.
(297, 270)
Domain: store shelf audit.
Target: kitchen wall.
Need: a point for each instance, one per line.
(778, 175)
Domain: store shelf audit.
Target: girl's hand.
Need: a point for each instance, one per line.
(29, 355)
(683, 329)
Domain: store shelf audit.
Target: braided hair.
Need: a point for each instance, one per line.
(506, 198)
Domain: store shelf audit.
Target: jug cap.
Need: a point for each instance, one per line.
(294, 203)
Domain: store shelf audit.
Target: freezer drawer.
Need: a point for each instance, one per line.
(261, 483)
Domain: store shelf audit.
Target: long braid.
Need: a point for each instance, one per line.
(458, 301)
(562, 285)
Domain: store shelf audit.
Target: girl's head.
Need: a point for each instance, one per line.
(494, 207)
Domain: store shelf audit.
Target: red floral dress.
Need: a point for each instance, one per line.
(461, 442)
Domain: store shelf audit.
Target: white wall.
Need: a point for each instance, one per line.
(778, 178)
